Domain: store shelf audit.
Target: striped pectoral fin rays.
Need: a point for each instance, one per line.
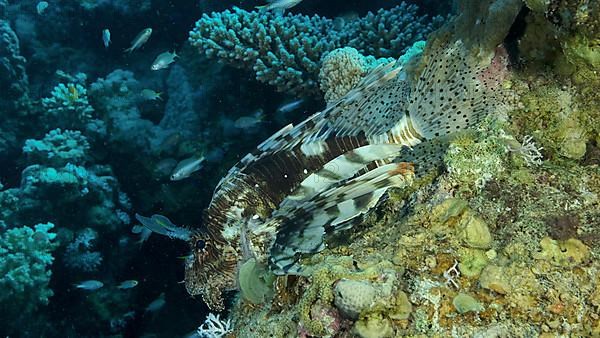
(304, 224)
(344, 167)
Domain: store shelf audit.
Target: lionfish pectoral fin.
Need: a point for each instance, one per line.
(349, 115)
(305, 223)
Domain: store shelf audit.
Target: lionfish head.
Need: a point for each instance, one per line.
(211, 269)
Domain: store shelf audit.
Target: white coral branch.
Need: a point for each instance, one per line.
(529, 151)
(214, 327)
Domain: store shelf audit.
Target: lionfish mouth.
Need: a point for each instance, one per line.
(210, 271)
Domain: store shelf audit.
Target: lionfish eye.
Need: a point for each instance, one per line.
(200, 244)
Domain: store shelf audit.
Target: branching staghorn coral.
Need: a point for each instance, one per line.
(286, 51)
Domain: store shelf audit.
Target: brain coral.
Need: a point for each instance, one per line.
(342, 69)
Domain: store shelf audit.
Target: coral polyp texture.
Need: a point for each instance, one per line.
(286, 51)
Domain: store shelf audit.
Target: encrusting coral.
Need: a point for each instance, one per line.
(342, 69)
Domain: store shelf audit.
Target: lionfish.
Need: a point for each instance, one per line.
(305, 182)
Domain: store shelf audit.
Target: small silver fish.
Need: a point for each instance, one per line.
(156, 304)
(279, 5)
(186, 168)
(106, 37)
(128, 284)
(290, 106)
(139, 40)
(163, 226)
(89, 285)
(150, 95)
(340, 21)
(163, 60)
(41, 7)
(246, 122)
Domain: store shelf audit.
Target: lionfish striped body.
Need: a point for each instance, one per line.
(304, 182)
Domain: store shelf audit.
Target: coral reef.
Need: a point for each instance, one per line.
(116, 97)
(13, 77)
(286, 51)
(68, 106)
(58, 148)
(26, 259)
(78, 255)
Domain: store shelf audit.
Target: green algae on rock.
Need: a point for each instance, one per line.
(465, 303)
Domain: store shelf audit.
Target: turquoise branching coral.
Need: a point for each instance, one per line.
(57, 148)
(25, 260)
(68, 106)
(286, 51)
